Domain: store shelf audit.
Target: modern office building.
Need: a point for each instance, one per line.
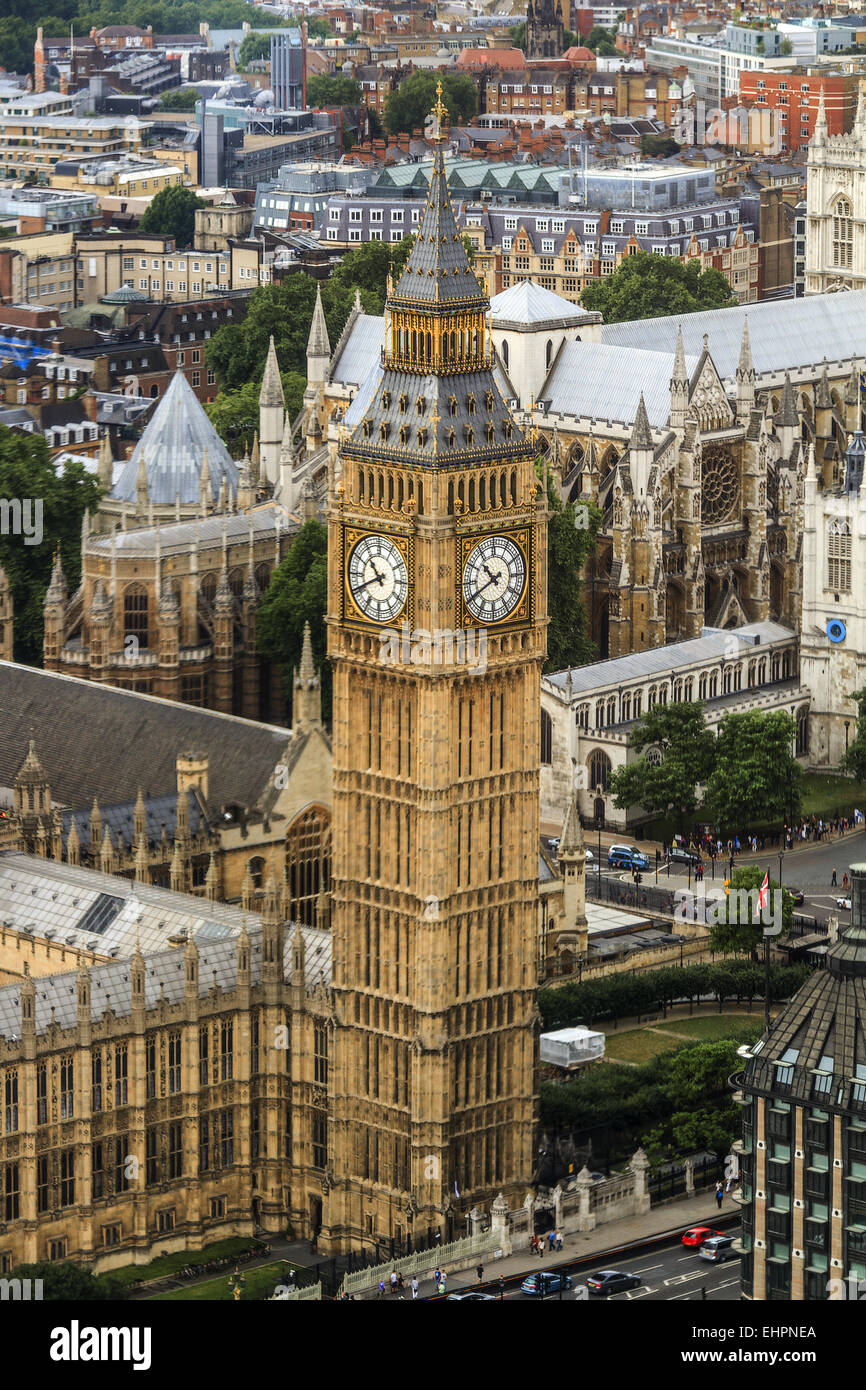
(802, 1157)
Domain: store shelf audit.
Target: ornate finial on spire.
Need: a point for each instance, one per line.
(440, 111)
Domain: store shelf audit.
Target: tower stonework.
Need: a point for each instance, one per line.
(437, 634)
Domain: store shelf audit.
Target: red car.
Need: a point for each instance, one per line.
(696, 1235)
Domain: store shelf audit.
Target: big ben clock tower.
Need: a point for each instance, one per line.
(437, 633)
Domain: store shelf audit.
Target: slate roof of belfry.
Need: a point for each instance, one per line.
(463, 417)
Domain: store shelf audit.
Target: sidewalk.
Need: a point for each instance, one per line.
(649, 847)
(610, 1241)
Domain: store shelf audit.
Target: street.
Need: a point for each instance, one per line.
(670, 1273)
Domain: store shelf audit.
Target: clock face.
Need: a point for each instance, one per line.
(494, 578)
(378, 578)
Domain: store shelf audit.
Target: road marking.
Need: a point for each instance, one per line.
(646, 1269)
(712, 1289)
(684, 1278)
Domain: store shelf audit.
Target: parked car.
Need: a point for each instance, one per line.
(626, 857)
(844, 903)
(718, 1249)
(547, 1282)
(679, 855)
(471, 1296)
(609, 1281)
(696, 1235)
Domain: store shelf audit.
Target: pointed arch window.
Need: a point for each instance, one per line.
(308, 863)
(839, 555)
(135, 614)
(843, 234)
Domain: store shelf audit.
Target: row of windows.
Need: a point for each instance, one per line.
(729, 679)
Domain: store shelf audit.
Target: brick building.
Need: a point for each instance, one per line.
(794, 96)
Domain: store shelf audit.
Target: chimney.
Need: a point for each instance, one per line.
(193, 771)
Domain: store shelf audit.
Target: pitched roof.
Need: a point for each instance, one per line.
(661, 661)
(784, 334)
(528, 303)
(96, 740)
(173, 446)
(598, 381)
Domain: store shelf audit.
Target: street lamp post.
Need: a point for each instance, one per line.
(599, 816)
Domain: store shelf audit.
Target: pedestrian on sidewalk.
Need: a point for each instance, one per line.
(480, 1272)
(381, 1288)
(442, 1282)
(401, 1282)
(393, 1281)
(833, 880)
(551, 1240)
(414, 1286)
(559, 1240)
(437, 1276)
(720, 1194)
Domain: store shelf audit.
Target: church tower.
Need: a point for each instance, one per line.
(437, 634)
(544, 29)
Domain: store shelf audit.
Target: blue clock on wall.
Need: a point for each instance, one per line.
(836, 630)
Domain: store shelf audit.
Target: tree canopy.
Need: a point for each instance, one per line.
(409, 106)
(64, 1281)
(234, 414)
(181, 99)
(333, 91)
(571, 536)
(677, 750)
(298, 594)
(601, 42)
(28, 474)
(18, 31)
(646, 286)
(756, 779)
(736, 929)
(854, 760)
(237, 351)
(172, 212)
(254, 46)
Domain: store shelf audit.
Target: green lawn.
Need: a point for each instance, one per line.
(827, 793)
(642, 1044)
(744, 1028)
(259, 1284)
(638, 1045)
(168, 1264)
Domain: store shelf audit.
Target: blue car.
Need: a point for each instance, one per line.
(626, 857)
(547, 1282)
